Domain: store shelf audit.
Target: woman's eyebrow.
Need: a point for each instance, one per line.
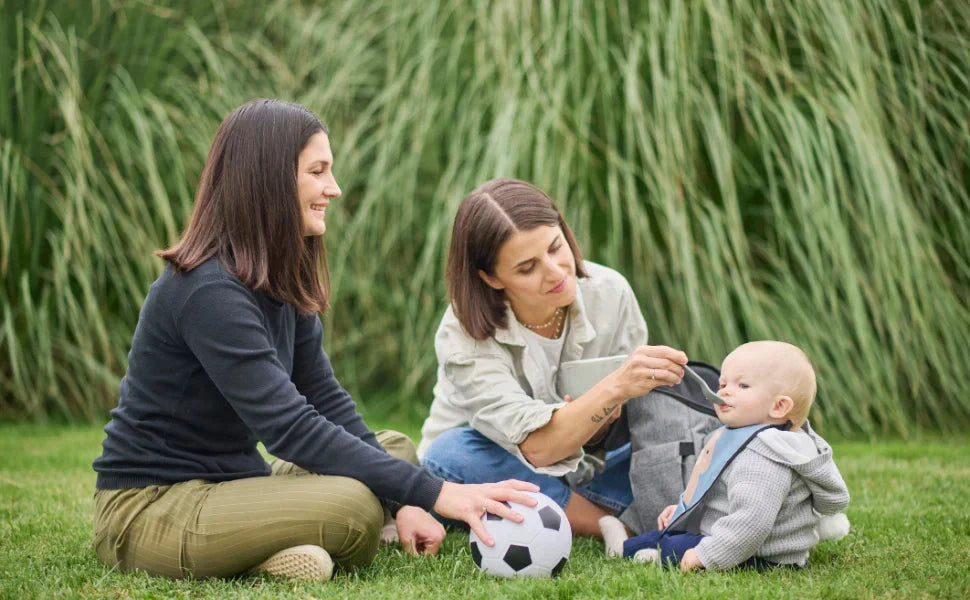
(551, 244)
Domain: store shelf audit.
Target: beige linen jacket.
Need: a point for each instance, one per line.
(499, 386)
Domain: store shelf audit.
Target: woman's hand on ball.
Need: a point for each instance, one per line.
(646, 368)
(465, 502)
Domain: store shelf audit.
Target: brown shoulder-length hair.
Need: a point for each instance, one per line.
(486, 218)
(246, 208)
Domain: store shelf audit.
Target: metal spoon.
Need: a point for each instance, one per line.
(708, 393)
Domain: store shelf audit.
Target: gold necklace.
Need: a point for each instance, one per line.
(562, 322)
(555, 316)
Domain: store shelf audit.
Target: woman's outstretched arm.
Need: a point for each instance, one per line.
(575, 423)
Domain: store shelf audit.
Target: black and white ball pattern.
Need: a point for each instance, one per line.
(539, 546)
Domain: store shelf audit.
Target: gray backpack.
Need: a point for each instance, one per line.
(666, 429)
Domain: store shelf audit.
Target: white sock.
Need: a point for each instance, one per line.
(649, 555)
(614, 534)
(389, 532)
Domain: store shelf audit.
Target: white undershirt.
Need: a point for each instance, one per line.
(551, 348)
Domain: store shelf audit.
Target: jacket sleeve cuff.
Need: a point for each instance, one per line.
(424, 494)
(708, 555)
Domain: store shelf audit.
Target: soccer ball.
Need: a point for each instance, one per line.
(537, 547)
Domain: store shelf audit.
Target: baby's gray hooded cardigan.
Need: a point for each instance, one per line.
(768, 500)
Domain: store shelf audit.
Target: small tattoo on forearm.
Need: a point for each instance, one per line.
(606, 412)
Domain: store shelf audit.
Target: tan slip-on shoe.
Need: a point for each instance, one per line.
(308, 562)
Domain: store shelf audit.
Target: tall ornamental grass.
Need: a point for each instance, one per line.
(764, 169)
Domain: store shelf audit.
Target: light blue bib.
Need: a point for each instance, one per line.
(729, 444)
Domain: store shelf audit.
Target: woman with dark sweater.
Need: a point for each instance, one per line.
(227, 353)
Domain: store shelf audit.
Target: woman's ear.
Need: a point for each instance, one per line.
(492, 282)
(781, 407)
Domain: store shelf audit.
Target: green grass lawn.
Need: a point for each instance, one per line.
(910, 539)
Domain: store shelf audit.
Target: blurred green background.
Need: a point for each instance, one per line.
(762, 169)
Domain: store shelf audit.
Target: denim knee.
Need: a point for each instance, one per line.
(463, 455)
(451, 454)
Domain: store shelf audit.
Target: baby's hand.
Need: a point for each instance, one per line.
(664, 519)
(690, 561)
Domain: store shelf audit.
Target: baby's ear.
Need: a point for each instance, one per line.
(782, 406)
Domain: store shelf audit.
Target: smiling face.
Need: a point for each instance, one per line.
(537, 271)
(758, 382)
(315, 183)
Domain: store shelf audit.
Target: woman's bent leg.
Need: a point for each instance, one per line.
(398, 445)
(463, 455)
(242, 522)
(201, 529)
(121, 538)
(343, 515)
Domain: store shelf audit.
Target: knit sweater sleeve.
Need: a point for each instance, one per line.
(756, 489)
(221, 323)
(315, 379)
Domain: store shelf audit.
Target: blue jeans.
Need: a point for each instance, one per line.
(463, 455)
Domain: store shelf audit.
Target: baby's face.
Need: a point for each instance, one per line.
(749, 388)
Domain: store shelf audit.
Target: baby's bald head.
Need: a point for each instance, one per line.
(784, 366)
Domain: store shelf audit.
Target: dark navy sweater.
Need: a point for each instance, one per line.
(216, 367)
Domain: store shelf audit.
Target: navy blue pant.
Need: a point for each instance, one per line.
(674, 544)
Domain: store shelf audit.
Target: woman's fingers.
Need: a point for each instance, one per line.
(524, 486)
(475, 524)
(649, 367)
(666, 366)
(469, 502)
(507, 495)
(666, 352)
(503, 510)
(510, 490)
(664, 370)
(499, 495)
(432, 544)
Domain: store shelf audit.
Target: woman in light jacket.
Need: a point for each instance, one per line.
(523, 302)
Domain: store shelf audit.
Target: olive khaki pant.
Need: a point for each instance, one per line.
(201, 529)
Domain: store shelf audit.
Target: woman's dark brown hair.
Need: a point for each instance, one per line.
(487, 217)
(246, 208)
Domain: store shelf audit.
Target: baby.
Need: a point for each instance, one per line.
(762, 481)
